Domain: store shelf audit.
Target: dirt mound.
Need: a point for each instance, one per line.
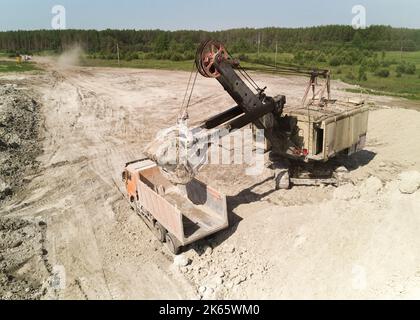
(19, 131)
(24, 269)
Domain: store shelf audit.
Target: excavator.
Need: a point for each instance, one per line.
(300, 139)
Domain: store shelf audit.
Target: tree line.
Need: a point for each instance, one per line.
(181, 44)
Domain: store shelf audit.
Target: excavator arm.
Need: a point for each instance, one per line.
(183, 151)
(213, 61)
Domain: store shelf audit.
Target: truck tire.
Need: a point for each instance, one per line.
(282, 179)
(171, 244)
(159, 231)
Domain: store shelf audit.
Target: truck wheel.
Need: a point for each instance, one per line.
(159, 232)
(171, 244)
(282, 180)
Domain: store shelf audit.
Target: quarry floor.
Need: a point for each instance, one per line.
(360, 240)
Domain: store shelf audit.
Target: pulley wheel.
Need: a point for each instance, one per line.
(206, 55)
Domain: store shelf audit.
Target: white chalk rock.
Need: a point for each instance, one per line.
(181, 261)
(208, 251)
(371, 187)
(209, 294)
(346, 192)
(342, 169)
(217, 281)
(409, 182)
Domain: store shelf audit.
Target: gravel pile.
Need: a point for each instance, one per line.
(19, 136)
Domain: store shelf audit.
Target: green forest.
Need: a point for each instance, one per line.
(157, 42)
(380, 58)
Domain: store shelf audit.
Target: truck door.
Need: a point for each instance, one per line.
(130, 184)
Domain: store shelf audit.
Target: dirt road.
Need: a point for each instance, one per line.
(358, 241)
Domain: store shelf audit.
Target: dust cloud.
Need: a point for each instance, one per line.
(70, 57)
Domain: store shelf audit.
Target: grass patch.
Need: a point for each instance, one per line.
(12, 66)
(398, 85)
(383, 93)
(407, 86)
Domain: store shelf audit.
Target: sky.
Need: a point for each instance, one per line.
(204, 14)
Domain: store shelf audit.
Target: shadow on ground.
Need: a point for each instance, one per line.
(248, 196)
(357, 160)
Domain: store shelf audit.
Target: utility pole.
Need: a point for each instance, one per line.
(259, 43)
(401, 50)
(118, 54)
(277, 50)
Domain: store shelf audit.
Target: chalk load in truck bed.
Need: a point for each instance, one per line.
(188, 212)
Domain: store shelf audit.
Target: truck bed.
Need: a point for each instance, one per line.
(198, 220)
(189, 212)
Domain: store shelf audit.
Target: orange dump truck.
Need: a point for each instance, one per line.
(177, 215)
